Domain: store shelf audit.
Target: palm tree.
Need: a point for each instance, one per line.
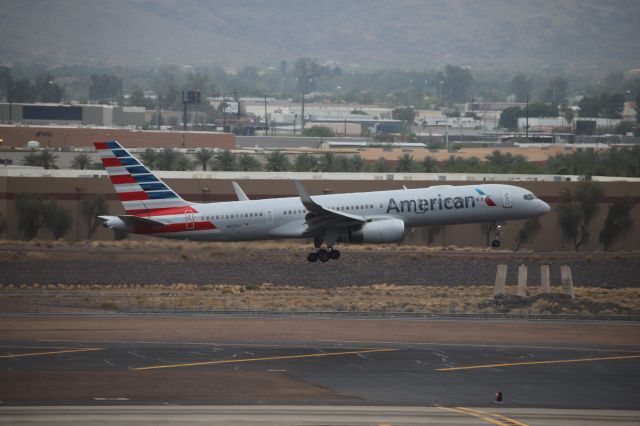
(305, 163)
(32, 159)
(203, 156)
(328, 162)
(81, 162)
(166, 159)
(277, 162)
(149, 158)
(182, 163)
(429, 164)
(381, 166)
(248, 163)
(405, 164)
(45, 159)
(225, 161)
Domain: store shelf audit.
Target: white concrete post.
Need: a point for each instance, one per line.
(522, 281)
(567, 281)
(501, 281)
(545, 278)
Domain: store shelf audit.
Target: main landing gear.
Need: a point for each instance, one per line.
(321, 254)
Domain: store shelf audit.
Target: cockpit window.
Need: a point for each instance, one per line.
(529, 196)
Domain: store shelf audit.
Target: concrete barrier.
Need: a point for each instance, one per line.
(501, 281)
(522, 281)
(567, 281)
(545, 278)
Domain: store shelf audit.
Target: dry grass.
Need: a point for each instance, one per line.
(380, 298)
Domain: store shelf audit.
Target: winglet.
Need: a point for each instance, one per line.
(307, 202)
(239, 192)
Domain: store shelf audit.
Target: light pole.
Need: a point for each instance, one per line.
(410, 88)
(441, 83)
(204, 194)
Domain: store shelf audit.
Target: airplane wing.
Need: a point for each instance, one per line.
(322, 217)
(239, 192)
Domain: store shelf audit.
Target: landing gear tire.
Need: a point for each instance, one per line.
(495, 243)
(323, 256)
(334, 254)
(312, 257)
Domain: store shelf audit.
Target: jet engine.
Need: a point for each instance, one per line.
(378, 231)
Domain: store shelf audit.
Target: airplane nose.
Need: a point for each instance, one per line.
(546, 208)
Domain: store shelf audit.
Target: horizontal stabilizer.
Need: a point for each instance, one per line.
(140, 221)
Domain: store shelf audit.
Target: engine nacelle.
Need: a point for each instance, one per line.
(378, 232)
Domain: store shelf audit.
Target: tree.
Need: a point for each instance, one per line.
(557, 92)
(328, 163)
(305, 163)
(429, 164)
(638, 108)
(225, 161)
(104, 88)
(605, 106)
(457, 82)
(618, 222)
(81, 162)
(182, 163)
(56, 220)
(44, 159)
(529, 229)
(277, 162)
(137, 98)
(30, 209)
(381, 165)
(46, 90)
(202, 157)
(91, 208)
(405, 164)
(166, 159)
(149, 158)
(509, 118)
(576, 210)
(520, 86)
(406, 114)
(319, 131)
(248, 163)
(22, 91)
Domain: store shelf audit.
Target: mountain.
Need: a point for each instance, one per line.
(354, 33)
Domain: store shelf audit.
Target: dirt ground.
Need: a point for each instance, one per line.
(285, 264)
(212, 329)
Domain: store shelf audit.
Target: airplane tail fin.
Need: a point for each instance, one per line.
(139, 190)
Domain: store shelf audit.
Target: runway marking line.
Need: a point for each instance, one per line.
(236, 361)
(495, 418)
(52, 352)
(558, 361)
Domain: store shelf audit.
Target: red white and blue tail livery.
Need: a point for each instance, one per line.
(152, 207)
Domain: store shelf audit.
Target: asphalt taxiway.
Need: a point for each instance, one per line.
(46, 364)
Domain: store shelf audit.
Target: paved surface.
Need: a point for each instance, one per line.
(312, 415)
(96, 265)
(50, 364)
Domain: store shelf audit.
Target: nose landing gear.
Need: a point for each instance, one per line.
(496, 228)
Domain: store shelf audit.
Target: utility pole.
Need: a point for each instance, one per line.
(302, 116)
(224, 111)
(527, 120)
(266, 123)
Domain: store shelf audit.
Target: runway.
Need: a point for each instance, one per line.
(544, 365)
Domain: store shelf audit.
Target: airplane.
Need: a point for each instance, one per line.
(153, 208)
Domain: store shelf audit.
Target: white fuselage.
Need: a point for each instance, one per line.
(285, 217)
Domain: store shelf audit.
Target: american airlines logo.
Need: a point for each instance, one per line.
(423, 205)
